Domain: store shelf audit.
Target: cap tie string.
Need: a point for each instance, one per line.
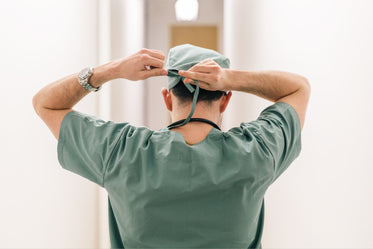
(194, 103)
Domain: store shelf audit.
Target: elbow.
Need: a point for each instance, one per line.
(306, 85)
(35, 103)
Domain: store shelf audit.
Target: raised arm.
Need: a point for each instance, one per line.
(55, 100)
(275, 86)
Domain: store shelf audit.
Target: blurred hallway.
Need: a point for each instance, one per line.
(324, 198)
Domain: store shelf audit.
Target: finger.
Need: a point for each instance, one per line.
(206, 66)
(203, 68)
(154, 53)
(196, 76)
(201, 84)
(211, 62)
(153, 62)
(205, 61)
(155, 72)
(157, 54)
(199, 68)
(190, 81)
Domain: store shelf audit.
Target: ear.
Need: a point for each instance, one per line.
(224, 101)
(167, 98)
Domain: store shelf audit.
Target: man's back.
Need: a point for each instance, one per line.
(165, 193)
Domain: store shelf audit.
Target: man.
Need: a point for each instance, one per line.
(189, 185)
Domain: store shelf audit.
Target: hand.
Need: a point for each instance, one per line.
(209, 74)
(140, 66)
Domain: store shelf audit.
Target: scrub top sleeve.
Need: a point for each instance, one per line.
(279, 129)
(86, 143)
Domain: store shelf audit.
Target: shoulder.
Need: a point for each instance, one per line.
(274, 116)
(282, 111)
(276, 123)
(76, 122)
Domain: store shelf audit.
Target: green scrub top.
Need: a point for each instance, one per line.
(164, 193)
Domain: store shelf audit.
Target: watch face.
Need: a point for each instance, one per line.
(84, 73)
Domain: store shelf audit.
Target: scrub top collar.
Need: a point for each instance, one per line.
(173, 125)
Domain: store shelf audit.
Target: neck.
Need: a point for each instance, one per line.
(202, 120)
(201, 111)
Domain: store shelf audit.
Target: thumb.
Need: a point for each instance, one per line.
(156, 72)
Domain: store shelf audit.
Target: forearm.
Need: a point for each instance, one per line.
(54, 101)
(275, 86)
(271, 85)
(65, 93)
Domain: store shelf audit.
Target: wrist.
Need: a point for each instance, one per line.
(234, 79)
(103, 74)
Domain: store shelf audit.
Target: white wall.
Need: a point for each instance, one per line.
(324, 200)
(121, 33)
(127, 37)
(42, 205)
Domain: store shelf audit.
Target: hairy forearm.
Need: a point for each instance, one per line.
(55, 100)
(65, 93)
(59, 95)
(274, 86)
(271, 85)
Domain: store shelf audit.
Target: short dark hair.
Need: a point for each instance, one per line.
(184, 95)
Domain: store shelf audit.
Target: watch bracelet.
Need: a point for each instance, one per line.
(84, 82)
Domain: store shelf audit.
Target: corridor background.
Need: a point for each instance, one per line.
(324, 200)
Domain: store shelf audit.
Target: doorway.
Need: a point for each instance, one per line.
(202, 36)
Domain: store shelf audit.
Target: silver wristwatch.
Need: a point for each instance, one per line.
(84, 77)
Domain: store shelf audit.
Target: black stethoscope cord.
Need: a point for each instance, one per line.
(175, 124)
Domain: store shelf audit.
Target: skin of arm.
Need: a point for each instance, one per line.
(275, 86)
(57, 99)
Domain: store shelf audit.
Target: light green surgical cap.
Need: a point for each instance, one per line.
(184, 57)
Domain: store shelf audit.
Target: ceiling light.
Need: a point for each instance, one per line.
(186, 10)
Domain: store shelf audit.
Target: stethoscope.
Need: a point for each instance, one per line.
(177, 123)
(182, 122)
